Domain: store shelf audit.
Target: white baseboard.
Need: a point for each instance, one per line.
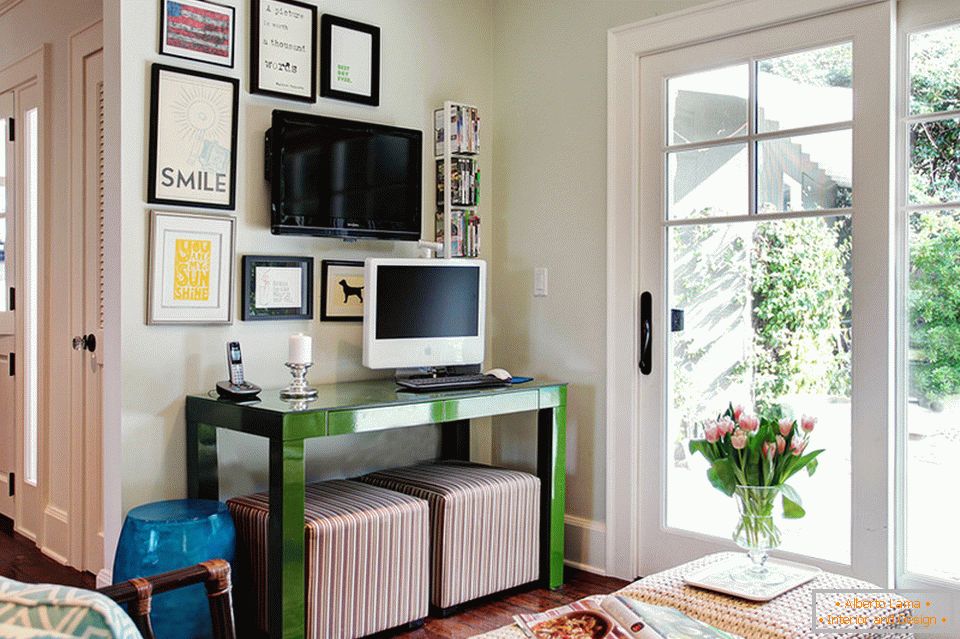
(104, 578)
(585, 544)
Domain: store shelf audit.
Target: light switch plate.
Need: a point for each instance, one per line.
(540, 282)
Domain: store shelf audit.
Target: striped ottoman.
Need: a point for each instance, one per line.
(485, 526)
(366, 557)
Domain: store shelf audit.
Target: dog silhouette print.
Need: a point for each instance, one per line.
(351, 290)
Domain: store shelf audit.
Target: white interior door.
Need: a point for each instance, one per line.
(765, 220)
(8, 435)
(93, 309)
(28, 388)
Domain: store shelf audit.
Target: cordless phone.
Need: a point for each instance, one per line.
(236, 387)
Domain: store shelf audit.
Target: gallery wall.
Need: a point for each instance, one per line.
(428, 56)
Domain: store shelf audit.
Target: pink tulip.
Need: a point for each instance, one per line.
(737, 412)
(781, 445)
(725, 426)
(786, 426)
(798, 446)
(807, 423)
(739, 439)
(712, 434)
(749, 423)
(769, 450)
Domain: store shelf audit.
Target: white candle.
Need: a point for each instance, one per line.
(301, 349)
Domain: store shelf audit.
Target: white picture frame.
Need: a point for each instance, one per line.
(191, 262)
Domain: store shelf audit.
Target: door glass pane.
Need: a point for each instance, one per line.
(935, 161)
(805, 173)
(933, 393)
(707, 182)
(805, 89)
(766, 320)
(31, 334)
(935, 70)
(710, 105)
(3, 215)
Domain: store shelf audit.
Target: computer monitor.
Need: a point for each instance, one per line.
(423, 313)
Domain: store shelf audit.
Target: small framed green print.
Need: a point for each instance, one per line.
(277, 288)
(349, 60)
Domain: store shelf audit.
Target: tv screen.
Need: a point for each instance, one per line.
(342, 178)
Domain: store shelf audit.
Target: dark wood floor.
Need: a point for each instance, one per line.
(20, 560)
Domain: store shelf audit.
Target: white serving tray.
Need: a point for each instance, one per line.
(715, 577)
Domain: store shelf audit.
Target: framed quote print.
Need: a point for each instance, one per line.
(191, 268)
(350, 60)
(341, 291)
(283, 49)
(197, 30)
(277, 288)
(193, 139)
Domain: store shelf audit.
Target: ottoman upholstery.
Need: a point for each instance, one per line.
(367, 564)
(484, 526)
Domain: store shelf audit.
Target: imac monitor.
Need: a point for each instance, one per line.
(421, 313)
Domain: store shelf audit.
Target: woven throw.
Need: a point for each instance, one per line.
(788, 616)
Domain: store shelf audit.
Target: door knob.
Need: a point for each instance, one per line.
(85, 343)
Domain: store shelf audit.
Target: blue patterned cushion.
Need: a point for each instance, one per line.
(45, 611)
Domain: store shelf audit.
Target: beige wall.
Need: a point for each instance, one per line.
(550, 170)
(431, 51)
(24, 28)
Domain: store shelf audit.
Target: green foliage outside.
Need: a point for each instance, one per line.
(801, 313)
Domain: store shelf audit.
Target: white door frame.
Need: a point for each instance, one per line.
(86, 447)
(625, 47)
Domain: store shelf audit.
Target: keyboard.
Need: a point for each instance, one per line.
(450, 382)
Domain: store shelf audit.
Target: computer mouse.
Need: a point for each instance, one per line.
(499, 373)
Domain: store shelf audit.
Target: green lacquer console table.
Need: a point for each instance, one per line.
(359, 407)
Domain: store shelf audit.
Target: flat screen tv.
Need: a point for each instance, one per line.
(341, 178)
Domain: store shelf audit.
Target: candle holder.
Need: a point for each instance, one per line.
(298, 388)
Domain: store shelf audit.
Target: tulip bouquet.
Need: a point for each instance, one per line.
(752, 457)
(758, 450)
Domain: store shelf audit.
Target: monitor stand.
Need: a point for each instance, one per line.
(441, 371)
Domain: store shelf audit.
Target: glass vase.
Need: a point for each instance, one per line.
(757, 533)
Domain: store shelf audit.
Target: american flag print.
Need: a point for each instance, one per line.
(193, 28)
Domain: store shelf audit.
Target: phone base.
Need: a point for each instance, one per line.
(229, 390)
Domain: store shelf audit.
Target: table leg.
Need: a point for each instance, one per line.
(551, 469)
(285, 541)
(455, 440)
(203, 480)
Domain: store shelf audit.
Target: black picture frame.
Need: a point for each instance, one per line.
(250, 312)
(326, 292)
(255, 6)
(152, 160)
(327, 22)
(165, 50)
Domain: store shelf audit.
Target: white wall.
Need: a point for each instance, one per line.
(550, 170)
(431, 51)
(24, 28)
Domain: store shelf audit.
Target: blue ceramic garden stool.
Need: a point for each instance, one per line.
(167, 535)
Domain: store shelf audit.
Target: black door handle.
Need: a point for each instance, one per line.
(646, 333)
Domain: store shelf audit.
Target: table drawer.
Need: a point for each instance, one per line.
(501, 404)
(364, 420)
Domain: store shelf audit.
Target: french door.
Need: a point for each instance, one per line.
(765, 244)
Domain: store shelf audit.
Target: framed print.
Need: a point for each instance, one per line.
(283, 49)
(197, 30)
(341, 291)
(193, 139)
(191, 268)
(277, 288)
(349, 60)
